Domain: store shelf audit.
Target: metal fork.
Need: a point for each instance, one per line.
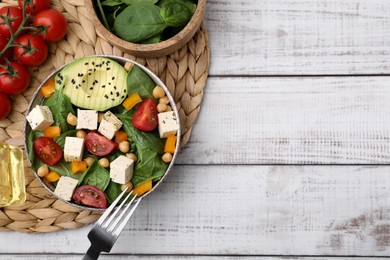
(107, 229)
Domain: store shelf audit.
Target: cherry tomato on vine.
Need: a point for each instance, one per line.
(36, 7)
(32, 50)
(54, 21)
(14, 16)
(5, 106)
(14, 78)
(7, 54)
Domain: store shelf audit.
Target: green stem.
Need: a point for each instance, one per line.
(103, 15)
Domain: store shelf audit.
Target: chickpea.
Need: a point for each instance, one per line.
(89, 161)
(81, 134)
(164, 100)
(100, 117)
(104, 162)
(71, 119)
(169, 108)
(124, 146)
(158, 92)
(132, 156)
(43, 171)
(167, 157)
(128, 185)
(161, 107)
(128, 66)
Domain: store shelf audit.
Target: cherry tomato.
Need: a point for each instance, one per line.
(145, 117)
(33, 53)
(36, 7)
(99, 145)
(15, 79)
(5, 106)
(90, 196)
(3, 43)
(56, 24)
(47, 150)
(16, 19)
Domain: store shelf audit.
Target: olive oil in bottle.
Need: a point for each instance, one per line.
(12, 182)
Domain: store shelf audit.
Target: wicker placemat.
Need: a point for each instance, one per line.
(184, 72)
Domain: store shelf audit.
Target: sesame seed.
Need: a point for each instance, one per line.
(86, 63)
(106, 96)
(113, 78)
(108, 68)
(103, 86)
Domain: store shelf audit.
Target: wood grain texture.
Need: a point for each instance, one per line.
(300, 37)
(292, 120)
(248, 210)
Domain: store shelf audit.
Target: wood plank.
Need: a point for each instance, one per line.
(248, 210)
(292, 120)
(299, 37)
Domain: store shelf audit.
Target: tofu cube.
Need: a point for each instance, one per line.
(121, 169)
(74, 149)
(40, 117)
(167, 124)
(87, 119)
(109, 125)
(65, 187)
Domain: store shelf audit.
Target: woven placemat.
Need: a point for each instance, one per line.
(184, 72)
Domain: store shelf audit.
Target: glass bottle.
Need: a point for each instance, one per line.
(12, 180)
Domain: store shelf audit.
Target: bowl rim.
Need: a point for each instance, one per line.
(121, 60)
(178, 40)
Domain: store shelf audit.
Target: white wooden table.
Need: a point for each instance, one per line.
(294, 84)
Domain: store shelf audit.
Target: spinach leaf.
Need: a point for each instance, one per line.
(60, 140)
(175, 14)
(32, 136)
(154, 39)
(149, 166)
(63, 169)
(112, 2)
(189, 4)
(140, 82)
(97, 176)
(60, 107)
(112, 191)
(140, 138)
(132, 2)
(139, 22)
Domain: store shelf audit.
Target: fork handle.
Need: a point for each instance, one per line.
(93, 253)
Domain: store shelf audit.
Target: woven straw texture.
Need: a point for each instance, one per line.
(184, 72)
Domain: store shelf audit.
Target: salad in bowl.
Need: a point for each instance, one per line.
(99, 125)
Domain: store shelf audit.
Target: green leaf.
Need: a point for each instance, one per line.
(189, 4)
(175, 14)
(111, 3)
(96, 176)
(148, 167)
(139, 22)
(32, 136)
(140, 82)
(154, 39)
(112, 191)
(60, 107)
(132, 2)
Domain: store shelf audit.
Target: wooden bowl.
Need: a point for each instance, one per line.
(163, 48)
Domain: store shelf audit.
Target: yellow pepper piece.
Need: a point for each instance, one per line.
(131, 101)
(49, 88)
(143, 187)
(170, 144)
(78, 166)
(52, 176)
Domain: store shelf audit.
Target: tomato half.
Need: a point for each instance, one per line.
(32, 50)
(5, 106)
(90, 196)
(15, 18)
(47, 150)
(54, 21)
(3, 43)
(145, 117)
(99, 145)
(37, 6)
(14, 79)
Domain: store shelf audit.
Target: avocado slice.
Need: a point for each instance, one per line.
(96, 83)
